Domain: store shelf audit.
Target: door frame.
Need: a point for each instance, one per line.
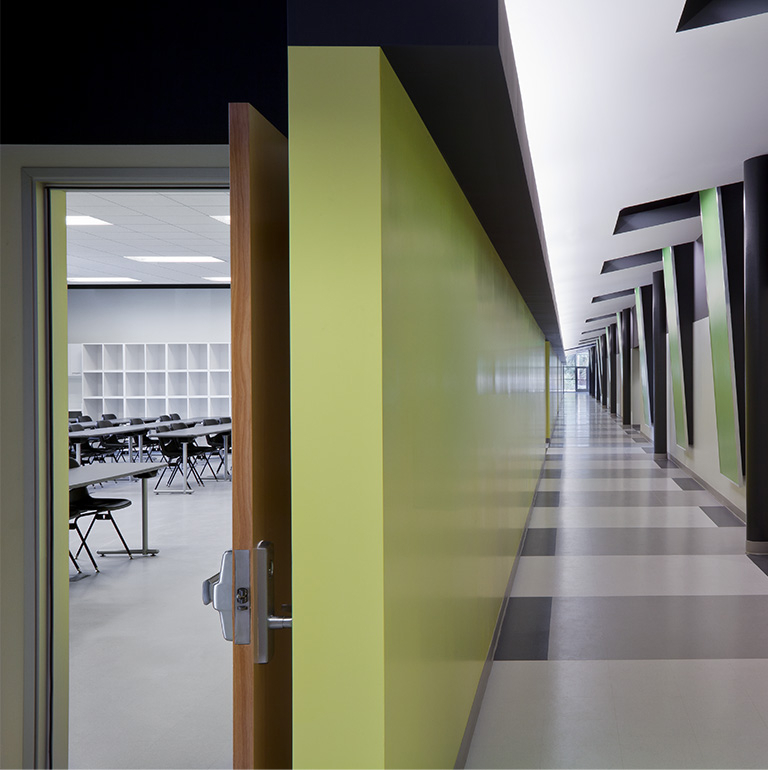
(31, 528)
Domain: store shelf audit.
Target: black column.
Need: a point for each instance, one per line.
(626, 369)
(756, 350)
(592, 373)
(659, 365)
(614, 380)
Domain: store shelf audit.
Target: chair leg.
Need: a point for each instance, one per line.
(119, 534)
(74, 561)
(85, 545)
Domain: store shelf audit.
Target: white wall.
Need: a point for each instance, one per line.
(149, 315)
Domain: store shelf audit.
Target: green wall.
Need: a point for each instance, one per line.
(418, 424)
(723, 374)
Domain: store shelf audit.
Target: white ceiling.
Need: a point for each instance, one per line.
(622, 110)
(149, 223)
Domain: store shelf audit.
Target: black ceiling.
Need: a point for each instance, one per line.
(154, 75)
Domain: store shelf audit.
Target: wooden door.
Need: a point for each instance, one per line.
(261, 504)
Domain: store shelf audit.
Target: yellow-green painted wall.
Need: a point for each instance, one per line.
(418, 424)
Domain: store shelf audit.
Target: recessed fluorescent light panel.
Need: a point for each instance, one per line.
(175, 259)
(218, 278)
(103, 279)
(77, 221)
(222, 218)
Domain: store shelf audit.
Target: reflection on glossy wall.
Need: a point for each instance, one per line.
(418, 424)
(464, 433)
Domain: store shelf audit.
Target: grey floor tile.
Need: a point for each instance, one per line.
(545, 499)
(539, 542)
(722, 516)
(639, 541)
(688, 484)
(658, 627)
(524, 631)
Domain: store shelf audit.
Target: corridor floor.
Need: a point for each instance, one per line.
(636, 633)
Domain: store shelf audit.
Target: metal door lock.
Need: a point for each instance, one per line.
(232, 580)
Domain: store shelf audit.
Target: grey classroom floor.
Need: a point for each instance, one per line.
(636, 633)
(150, 673)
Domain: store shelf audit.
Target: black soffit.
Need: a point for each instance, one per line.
(658, 212)
(703, 13)
(634, 260)
(450, 56)
(613, 295)
(599, 318)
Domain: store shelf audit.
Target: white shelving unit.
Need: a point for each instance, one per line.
(147, 380)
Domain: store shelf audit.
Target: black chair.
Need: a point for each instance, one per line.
(108, 416)
(145, 448)
(215, 443)
(88, 452)
(111, 444)
(174, 416)
(173, 454)
(84, 418)
(82, 504)
(164, 418)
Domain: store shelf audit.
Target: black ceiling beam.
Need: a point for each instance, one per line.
(703, 13)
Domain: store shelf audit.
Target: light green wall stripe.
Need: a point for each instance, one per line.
(726, 409)
(336, 407)
(643, 345)
(675, 348)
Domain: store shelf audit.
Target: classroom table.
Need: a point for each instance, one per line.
(125, 430)
(85, 475)
(187, 436)
(118, 430)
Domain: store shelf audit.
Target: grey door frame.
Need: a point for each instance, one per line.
(34, 684)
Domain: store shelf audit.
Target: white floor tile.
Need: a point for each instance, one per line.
(686, 575)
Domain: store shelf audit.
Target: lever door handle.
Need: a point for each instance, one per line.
(266, 620)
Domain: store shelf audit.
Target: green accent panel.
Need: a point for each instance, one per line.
(59, 446)
(643, 344)
(418, 399)
(675, 348)
(336, 407)
(726, 409)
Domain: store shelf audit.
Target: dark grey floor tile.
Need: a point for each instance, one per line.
(611, 473)
(649, 541)
(761, 561)
(552, 456)
(546, 499)
(722, 516)
(658, 627)
(628, 497)
(641, 440)
(525, 629)
(539, 542)
(552, 473)
(665, 462)
(690, 485)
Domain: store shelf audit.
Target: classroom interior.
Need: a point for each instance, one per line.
(148, 306)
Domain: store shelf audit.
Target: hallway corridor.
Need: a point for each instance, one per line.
(636, 633)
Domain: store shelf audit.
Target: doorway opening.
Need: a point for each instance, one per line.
(149, 338)
(576, 372)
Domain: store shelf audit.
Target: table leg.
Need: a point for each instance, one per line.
(227, 474)
(145, 550)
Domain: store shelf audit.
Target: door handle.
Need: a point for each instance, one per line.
(229, 593)
(266, 620)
